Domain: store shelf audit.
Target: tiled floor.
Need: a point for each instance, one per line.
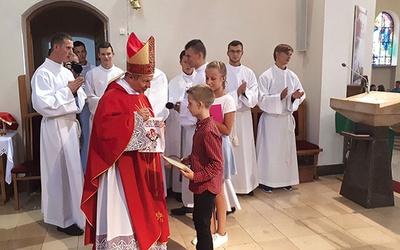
(312, 216)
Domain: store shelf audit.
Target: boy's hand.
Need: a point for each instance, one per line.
(188, 173)
(185, 161)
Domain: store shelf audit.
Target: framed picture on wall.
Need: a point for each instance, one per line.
(360, 23)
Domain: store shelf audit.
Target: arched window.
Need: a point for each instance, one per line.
(382, 47)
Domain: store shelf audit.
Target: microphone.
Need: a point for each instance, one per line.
(362, 77)
(170, 105)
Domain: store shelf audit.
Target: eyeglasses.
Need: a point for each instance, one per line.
(235, 51)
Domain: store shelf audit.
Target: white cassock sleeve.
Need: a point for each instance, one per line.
(185, 116)
(158, 95)
(271, 84)
(92, 98)
(177, 89)
(51, 98)
(293, 106)
(269, 103)
(251, 98)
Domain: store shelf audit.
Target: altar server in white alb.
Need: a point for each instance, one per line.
(158, 94)
(58, 97)
(280, 94)
(177, 88)
(195, 53)
(80, 50)
(242, 86)
(84, 117)
(98, 78)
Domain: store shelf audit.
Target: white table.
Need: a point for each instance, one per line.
(7, 144)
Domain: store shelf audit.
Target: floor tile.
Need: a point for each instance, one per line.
(312, 216)
(238, 236)
(33, 229)
(329, 209)
(342, 239)
(266, 232)
(59, 242)
(311, 242)
(284, 244)
(386, 246)
(31, 243)
(277, 215)
(348, 221)
(321, 225)
(294, 228)
(249, 219)
(371, 235)
(250, 246)
(289, 202)
(303, 212)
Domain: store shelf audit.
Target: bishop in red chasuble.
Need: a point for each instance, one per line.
(123, 197)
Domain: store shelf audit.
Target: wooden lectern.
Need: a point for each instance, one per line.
(367, 178)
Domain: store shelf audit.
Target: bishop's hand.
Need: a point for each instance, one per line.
(145, 113)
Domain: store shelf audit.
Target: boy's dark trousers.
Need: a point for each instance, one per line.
(204, 205)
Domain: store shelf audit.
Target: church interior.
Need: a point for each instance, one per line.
(318, 213)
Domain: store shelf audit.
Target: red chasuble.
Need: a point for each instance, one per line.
(8, 120)
(141, 174)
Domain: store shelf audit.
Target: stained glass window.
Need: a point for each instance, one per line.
(382, 47)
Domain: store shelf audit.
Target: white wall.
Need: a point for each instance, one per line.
(312, 65)
(260, 25)
(385, 76)
(331, 33)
